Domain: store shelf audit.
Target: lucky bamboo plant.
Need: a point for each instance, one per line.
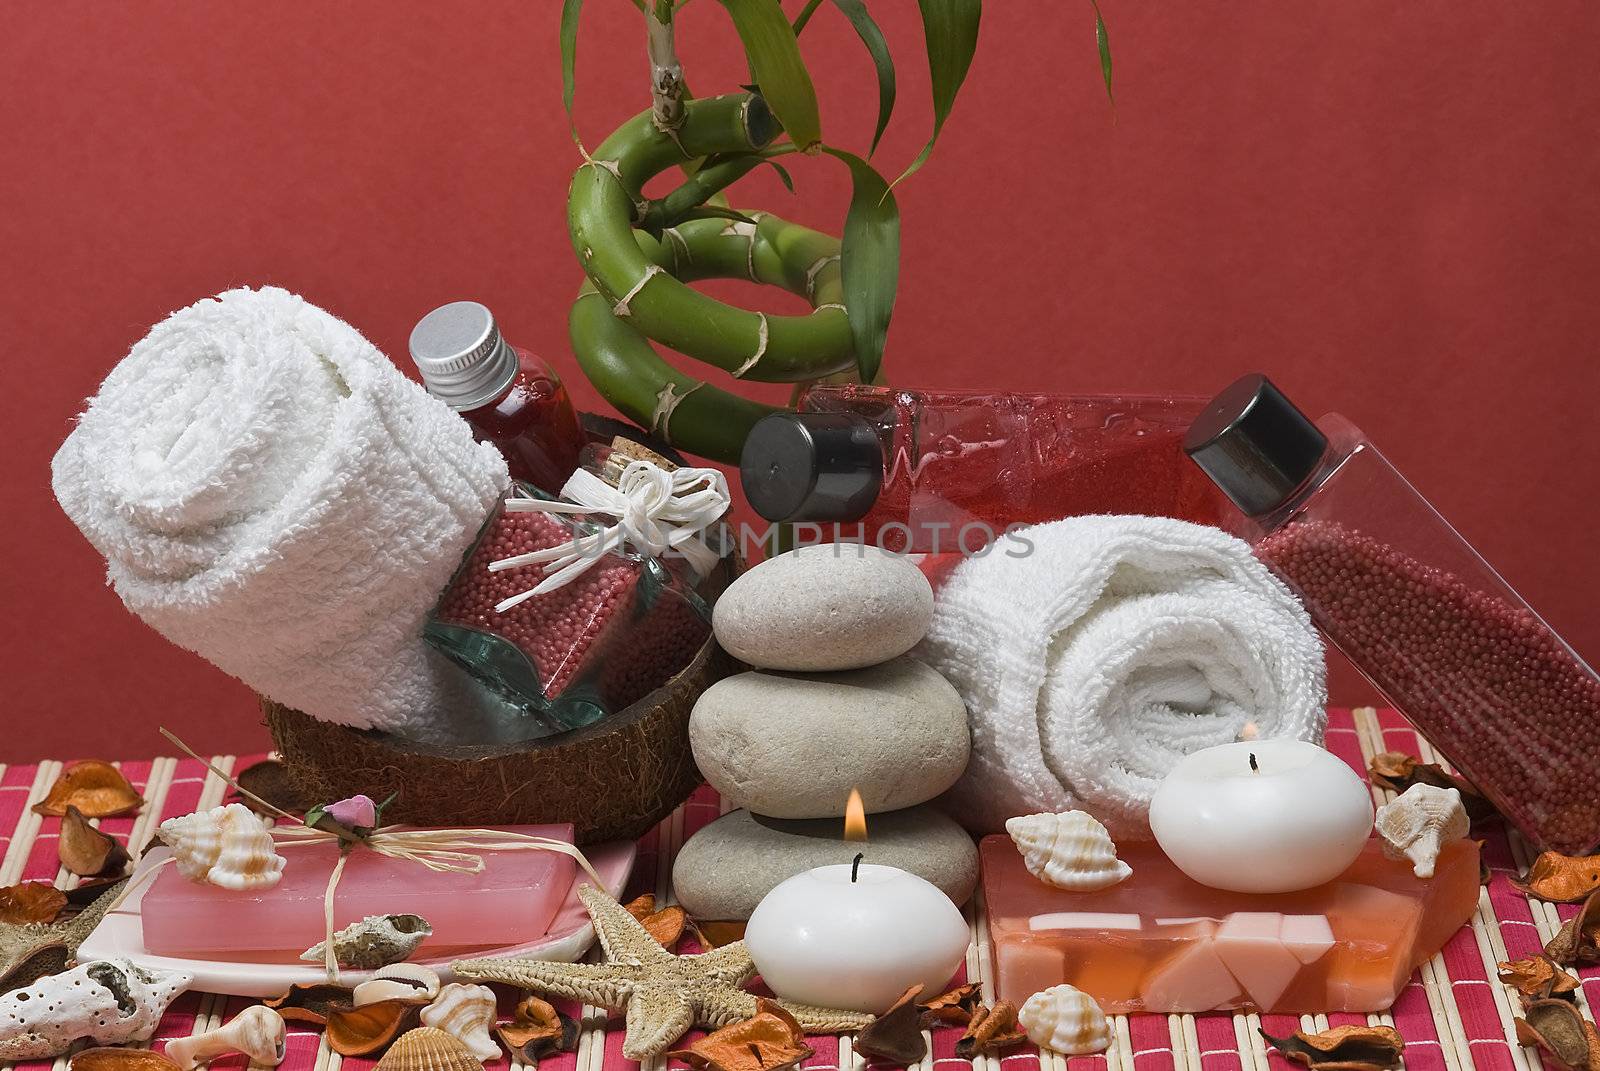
(640, 254)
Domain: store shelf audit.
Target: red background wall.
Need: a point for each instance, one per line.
(1390, 207)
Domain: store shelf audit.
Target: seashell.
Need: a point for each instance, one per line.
(428, 1049)
(110, 1002)
(398, 981)
(1420, 821)
(466, 1012)
(230, 847)
(258, 1032)
(1068, 851)
(375, 941)
(1065, 1019)
(117, 1058)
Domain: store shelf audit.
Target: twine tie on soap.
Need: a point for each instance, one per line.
(452, 851)
(656, 511)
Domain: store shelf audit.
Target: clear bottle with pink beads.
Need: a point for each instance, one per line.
(562, 612)
(1419, 612)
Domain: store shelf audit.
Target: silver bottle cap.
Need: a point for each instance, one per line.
(463, 360)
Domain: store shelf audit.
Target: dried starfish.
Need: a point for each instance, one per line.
(663, 994)
(29, 951)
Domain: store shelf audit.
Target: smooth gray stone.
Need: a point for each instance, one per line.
(789, 746)
(726, 869)
(827, 607)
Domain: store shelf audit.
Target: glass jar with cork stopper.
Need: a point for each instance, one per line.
(573, 608)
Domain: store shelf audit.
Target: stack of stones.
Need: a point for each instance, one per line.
(833, 703)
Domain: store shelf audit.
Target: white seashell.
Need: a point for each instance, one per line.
(258, 1032)
(1419, 822)
(230, 847)
(109, 1002)
(1068, 851)
(428, 1049)
(1066, 1020)
(375, 941)
(398, 981)
(465, 1012)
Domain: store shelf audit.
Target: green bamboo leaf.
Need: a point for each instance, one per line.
(783, 174)
(878, 49)
(775, 63)
(569, 64)
(951, 30)
(804, 17)
(870, 260)
(1103, 42)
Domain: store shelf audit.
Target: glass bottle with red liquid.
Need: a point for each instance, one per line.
(1417, 610)
(510, 397)
(947, 471)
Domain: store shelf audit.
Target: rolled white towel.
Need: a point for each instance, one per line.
(1093, 662)
(271, 493)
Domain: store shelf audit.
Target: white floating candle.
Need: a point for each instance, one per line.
(838, 939)
(1262, 816)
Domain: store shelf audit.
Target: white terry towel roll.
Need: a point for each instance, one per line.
(271, 493)
(1091, 664)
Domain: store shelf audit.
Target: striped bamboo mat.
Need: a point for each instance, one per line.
(1454, 1014)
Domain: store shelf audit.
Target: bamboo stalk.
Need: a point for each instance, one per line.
(605, 203)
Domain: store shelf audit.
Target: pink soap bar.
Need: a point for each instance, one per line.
(512, 901)
(1159, 942)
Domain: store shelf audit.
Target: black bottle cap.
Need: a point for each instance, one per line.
(1255, 445)
(812, 467)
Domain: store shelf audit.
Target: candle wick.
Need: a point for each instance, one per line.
(855, 867)
(1253, 765)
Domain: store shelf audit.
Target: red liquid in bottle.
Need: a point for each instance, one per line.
(947, 471)
(510, 397)
(533, 424)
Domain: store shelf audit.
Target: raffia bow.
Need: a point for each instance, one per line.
(656, 511)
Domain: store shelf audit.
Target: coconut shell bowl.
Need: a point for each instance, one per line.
(612, 780)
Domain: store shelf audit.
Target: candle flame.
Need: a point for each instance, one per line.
(855, 817)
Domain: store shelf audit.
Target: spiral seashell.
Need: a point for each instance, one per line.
(375, 941)
(428, 1049)
(466, 1012)
(1068, 851)
(1066, 1020)
(398, 981)
(1419, 822)
(258, 1032)
(230, 847)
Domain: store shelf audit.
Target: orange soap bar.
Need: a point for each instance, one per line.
(1160, 942)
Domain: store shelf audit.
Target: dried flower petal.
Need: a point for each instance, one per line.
(1397, 771)
(1538, 978)
(666, 925)
(990, 1030)
(537, 1030)
(1561, 879)
(113, 1058)
(955, 1007)
(1344, 1048)
(1560, 1029)
(269, 780)
(370, 1028)
(711, 935)
(32, 901)
(768, 1041)
(1577, 943)
(96, 788)
(85, 850)
(312, 1003)
(896, 1035)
